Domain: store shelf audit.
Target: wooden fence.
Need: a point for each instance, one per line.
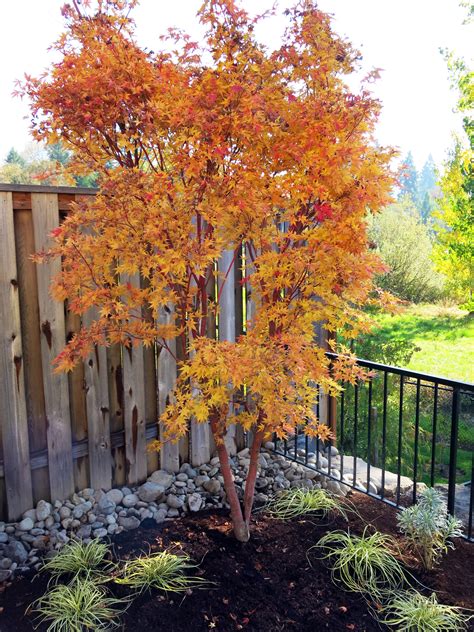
(89, 428)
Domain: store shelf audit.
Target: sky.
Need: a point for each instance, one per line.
(402, 37)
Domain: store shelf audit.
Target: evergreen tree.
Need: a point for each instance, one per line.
(14, 158)
(57, 153)
(427, 188)
(409, 179)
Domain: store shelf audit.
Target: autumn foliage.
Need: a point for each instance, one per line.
(201, 148)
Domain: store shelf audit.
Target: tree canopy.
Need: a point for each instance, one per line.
(198, 151)
(455, 252)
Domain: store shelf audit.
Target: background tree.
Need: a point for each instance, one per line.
(62, 158)
(43, 165)
(427, 189)
(14, 158)
(405, 246)
(408, 183)
(455, 253)
(214, 146)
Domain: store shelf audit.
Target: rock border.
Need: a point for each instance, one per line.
(91, 514)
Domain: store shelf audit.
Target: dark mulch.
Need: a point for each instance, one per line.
(265, 585)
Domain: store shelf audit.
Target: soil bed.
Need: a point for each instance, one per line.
(265, 585)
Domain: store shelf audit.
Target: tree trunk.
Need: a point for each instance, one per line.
(252, 476)
(240, 526)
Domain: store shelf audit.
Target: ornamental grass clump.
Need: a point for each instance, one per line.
(365, 563)
(300, 501)
(78, 559)
(164, 571)
(410, 611)
(429, 528)
(77, 607)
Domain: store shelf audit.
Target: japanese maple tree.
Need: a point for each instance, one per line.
(200, 148)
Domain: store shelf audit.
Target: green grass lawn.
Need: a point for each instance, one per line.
(444, 335)
(444, 341)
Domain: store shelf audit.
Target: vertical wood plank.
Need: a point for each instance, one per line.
(167, 372)
(250, 308)
(134, 414)
(200, 451)
(134, 407)
(115, 380)
(77, 407)
(199, 438)
(98, 413)
(184, 443)
(52, 322)
(151, 393)
(13, 417)
(30, 335)
(226, 285)
(249, 298)
(239, 328)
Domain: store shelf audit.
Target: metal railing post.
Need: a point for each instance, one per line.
(453, 450)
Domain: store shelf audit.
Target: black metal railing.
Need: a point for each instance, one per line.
(395, 432)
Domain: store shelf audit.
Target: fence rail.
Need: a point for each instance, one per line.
(396, 432)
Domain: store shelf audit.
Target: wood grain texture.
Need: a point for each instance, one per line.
(42, 188)
(115, 385)
(22, 201)
(30, 333)
(239, 323)
(13, 415)
(52, 324)
(151, 393)
(226, 286)
(98, 412)
(134, 407)
(167, 372)
(77, 407)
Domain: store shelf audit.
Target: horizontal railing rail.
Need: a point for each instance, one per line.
(467, 386)
(395, 433)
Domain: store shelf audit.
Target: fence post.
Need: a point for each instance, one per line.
(13, 415)
(453, 450)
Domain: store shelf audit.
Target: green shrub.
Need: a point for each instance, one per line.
(428, 527)
(405, 245)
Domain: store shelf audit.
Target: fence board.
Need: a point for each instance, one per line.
(134, 407)
(13, 416)
(167, 372)
(45, 218)
(115, 386)
(98, 413)
(199, 437)
(239, 328)
(77, 407)
(226, 285)
(151, 392)
(134, 414)
(30, 335)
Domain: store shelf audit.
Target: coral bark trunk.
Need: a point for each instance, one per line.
(252, 476)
